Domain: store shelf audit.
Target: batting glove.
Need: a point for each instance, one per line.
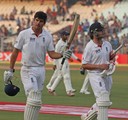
(8, 75)
(110, 71)
(67, 54)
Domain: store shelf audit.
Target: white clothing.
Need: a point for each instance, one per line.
(34, 48)
(32, 78)
(65, 71)
(85, 85)
(98, 55)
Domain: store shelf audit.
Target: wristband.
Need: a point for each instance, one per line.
(12, 70)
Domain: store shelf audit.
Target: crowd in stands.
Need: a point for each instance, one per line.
(91, 2)
(112, 24)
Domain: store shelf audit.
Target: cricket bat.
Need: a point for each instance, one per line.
(72, 34)
(115, 51)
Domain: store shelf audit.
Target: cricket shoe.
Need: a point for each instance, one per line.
(70, 93)
(91, 115)
(73, 90)
(85, 92)
(52, 92)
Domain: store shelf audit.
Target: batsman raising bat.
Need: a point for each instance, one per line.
(33, 42)
(96, 57)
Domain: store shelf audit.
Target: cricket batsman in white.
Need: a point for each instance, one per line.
(96, 58)
(33, 42)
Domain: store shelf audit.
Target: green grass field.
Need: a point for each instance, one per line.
(119, 94)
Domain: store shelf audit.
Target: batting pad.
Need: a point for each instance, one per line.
(103, 113)
(103, 103)
(92, 115)
(33, 105)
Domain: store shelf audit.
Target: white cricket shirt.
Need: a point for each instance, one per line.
(34, 48)
(60, 48)
(93, 54)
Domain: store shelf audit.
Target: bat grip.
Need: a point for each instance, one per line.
(62, 62)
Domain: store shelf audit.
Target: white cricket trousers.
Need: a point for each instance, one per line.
(32, 78)
(100, 84)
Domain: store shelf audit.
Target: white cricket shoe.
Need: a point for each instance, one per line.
(85, 92)
(92, 115)
(73, 90)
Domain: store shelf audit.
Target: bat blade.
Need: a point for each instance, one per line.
(115, 51)
(72, 34)
(74, 30)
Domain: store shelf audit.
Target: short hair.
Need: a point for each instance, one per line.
(64, 33)
(41, 15)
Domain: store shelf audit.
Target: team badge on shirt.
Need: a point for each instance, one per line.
(32, 39)
(43, 40)
(97, 51)
(106, 49)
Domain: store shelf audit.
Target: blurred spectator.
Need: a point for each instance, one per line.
(117, 1)
(41, 2)
(6, 17)
(114, 40)
(85, 25)
(10, 30)
(11, 16)
(4, 30)
(125, 21)
(14, 11)
(23, 10)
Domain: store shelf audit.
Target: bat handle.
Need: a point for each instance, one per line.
(62, 62)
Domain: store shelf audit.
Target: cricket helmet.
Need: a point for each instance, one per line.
(95, 28)
(11, 90)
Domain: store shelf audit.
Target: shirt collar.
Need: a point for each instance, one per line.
(33, 33)
(95, 45)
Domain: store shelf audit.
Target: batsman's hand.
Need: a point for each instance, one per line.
(67, 54)
(109, 71)
(8, 75)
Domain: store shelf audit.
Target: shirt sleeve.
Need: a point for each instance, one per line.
(50, 45)
(19, 41)
(86, 55)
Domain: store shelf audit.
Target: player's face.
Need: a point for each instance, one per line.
(38, 23)
(101, 34)
(65, 37)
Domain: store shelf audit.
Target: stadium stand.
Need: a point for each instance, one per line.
(23, 12)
